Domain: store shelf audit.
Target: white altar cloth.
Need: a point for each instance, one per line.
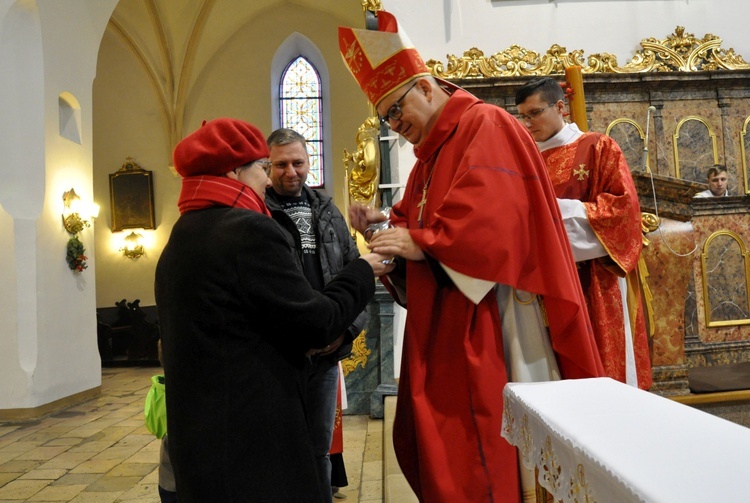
(598, 440)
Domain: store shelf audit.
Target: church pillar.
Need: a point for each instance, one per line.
(48, 348)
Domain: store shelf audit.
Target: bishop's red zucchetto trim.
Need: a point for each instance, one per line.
(380, 60)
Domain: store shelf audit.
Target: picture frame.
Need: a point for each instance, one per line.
(131, 192)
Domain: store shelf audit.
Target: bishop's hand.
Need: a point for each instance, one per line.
(396, 241)
(361, 217)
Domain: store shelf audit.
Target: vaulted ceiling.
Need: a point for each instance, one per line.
(175, 40)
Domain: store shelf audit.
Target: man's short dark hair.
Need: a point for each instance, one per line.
(547, 87)
(715, 170)
(285, 136)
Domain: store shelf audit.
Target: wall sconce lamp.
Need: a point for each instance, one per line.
(77, 214)
(132, 246)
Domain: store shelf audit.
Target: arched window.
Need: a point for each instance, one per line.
(300, 108)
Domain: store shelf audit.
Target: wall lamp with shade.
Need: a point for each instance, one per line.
(132, 246)
(77, 214)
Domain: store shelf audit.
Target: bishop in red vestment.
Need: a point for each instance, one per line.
(478, 212)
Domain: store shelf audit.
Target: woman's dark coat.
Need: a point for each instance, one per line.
(236, 317)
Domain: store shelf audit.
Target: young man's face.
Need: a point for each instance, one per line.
(718, 183)
(291, 164)
(543, 120)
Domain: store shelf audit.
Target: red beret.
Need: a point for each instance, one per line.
(218, 147)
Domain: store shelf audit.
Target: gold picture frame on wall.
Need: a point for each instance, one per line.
(726, 301)
(131, 193)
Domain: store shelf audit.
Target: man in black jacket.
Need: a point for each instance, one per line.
(324, 246)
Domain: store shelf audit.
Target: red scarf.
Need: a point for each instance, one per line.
(199, 192)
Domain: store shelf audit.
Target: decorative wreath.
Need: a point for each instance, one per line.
(75, 255)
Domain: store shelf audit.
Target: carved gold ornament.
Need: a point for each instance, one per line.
(649, 223)
(359, 355)
(372, 5)
(679, 52)
(363, 165)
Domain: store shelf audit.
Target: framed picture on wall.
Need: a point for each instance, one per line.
(131, 193)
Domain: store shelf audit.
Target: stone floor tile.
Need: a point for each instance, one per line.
(143, 456)
(372, 489)
(19, 465)
(98, 466)
(142, 493)
(94, 446)
(138, 440)
(132, 469)
(117, 433)
(44, 474)
(68, 441)
(84, 431)
(68, 460)
(96, 497)
(119, 453)
(21, 446)
(112, 484)
(372, 470)
(57, 493)
(43, 453)
(42, 436)
(71, 479)
(7, 428)
(6, 477)
(352, 495)
(7, 456)
(22, 489)
(152, 478)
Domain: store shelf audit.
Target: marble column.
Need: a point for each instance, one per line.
(370, 375)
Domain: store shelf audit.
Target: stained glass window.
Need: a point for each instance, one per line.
(300, 100)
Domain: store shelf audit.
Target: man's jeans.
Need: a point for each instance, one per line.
(322, 386)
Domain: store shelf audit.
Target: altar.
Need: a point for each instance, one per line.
(598, 440)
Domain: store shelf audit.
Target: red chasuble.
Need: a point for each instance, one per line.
(490, 214)
(593, 170)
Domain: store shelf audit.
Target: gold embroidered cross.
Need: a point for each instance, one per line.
(581, 172)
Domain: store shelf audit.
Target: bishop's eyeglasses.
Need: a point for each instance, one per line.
(395, 112)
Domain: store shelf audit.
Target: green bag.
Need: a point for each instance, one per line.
(156, 407)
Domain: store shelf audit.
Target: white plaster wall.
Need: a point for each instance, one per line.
(49, 336)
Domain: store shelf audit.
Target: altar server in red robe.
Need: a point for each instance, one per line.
(599, 205)
(483, 267)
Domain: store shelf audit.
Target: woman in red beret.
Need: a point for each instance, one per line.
(237, 317)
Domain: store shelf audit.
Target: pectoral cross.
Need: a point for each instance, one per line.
(421, 204)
